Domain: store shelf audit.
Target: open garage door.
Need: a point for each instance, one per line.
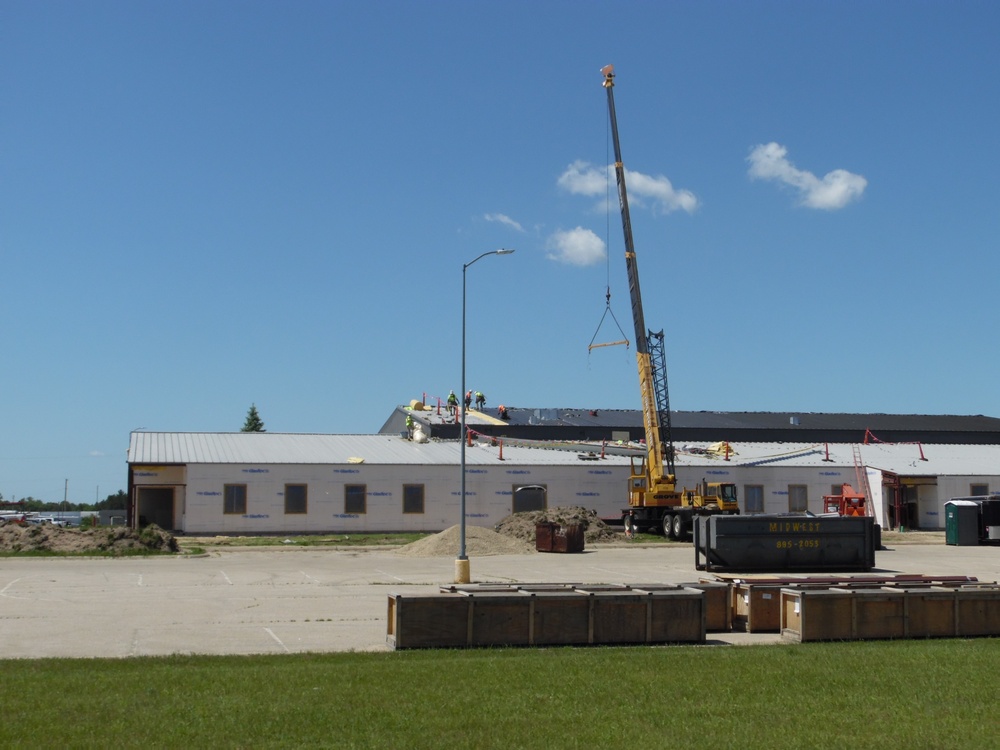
(529, 497)
(156, 505)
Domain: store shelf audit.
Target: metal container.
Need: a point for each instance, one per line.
(552, 537)
(990, 510)
(777, 543)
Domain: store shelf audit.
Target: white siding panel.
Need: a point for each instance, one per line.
(488, 496)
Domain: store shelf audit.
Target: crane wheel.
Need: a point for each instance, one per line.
(629, 523)
(668, 526)
(678, 530)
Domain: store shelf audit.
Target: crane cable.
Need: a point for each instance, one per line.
(607, 257)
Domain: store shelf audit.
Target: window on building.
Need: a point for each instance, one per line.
(528, 498)
(234, 499)
(413, 498)
(753, 498)
(355, 499)
(979, 489)
(798, 498)
(296, 498)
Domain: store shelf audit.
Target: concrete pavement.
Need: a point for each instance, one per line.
(285, 600)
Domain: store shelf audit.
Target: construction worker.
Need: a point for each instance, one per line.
(452, 402)
(502, 412)
(409, 427)
(468, 399)
(480, 400)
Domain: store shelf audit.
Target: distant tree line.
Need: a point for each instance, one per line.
(117, 501)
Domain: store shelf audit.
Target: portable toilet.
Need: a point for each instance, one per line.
(961, 522)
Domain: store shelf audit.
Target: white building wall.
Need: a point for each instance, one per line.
(931, 498)
(489, 494)
(776, 479)
(599, 485)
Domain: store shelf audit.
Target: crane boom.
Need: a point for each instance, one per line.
(653, 497)
(652, 374)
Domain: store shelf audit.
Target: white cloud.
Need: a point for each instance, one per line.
(576, 247)
(583, 178)
(504, 219)
(835, 190)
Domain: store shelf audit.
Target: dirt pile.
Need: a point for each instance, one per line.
(522, 525)
(479, 542)
(113, 540)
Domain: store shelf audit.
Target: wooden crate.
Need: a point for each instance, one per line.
(977, 610)
(561, 618)
(930, 611)
(878, 613)
(756, 607)
(605, 616)
(816, 614)
(428, 621)
(718, 605)
(678, 616)
(620, 617)
(500, 619)
(843, 613)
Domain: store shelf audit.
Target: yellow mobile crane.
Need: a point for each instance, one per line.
(654, 500)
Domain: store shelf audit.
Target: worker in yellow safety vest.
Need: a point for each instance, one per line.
(452, 402)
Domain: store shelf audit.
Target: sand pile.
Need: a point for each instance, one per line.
(479, 542)
(116, 539)
(522, 525)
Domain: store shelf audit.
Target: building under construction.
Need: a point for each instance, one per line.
(270, 483)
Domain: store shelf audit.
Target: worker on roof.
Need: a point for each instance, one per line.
(409, 427)
(452, 402)
(502, 412)
(480, 400)
(468, 399)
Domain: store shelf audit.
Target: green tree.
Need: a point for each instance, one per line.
(253, 421)
(117, 501)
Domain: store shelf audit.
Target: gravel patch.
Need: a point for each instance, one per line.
(479, 542)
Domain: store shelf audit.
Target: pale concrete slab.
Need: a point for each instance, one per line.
(281, 600)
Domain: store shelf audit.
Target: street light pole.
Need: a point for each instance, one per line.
(462, 574)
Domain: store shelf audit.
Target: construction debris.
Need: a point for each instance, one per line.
(522, 525)
(107, 540)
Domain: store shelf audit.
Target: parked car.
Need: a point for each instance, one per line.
(46, 520)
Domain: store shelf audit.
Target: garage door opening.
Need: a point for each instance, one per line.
(529, 497)
(156, 505)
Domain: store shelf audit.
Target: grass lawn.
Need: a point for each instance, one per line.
(905, 694)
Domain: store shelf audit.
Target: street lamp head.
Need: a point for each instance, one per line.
(505, 251)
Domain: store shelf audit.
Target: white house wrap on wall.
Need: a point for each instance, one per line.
(269, 483)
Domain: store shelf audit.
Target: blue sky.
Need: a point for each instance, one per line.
(212, 204)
